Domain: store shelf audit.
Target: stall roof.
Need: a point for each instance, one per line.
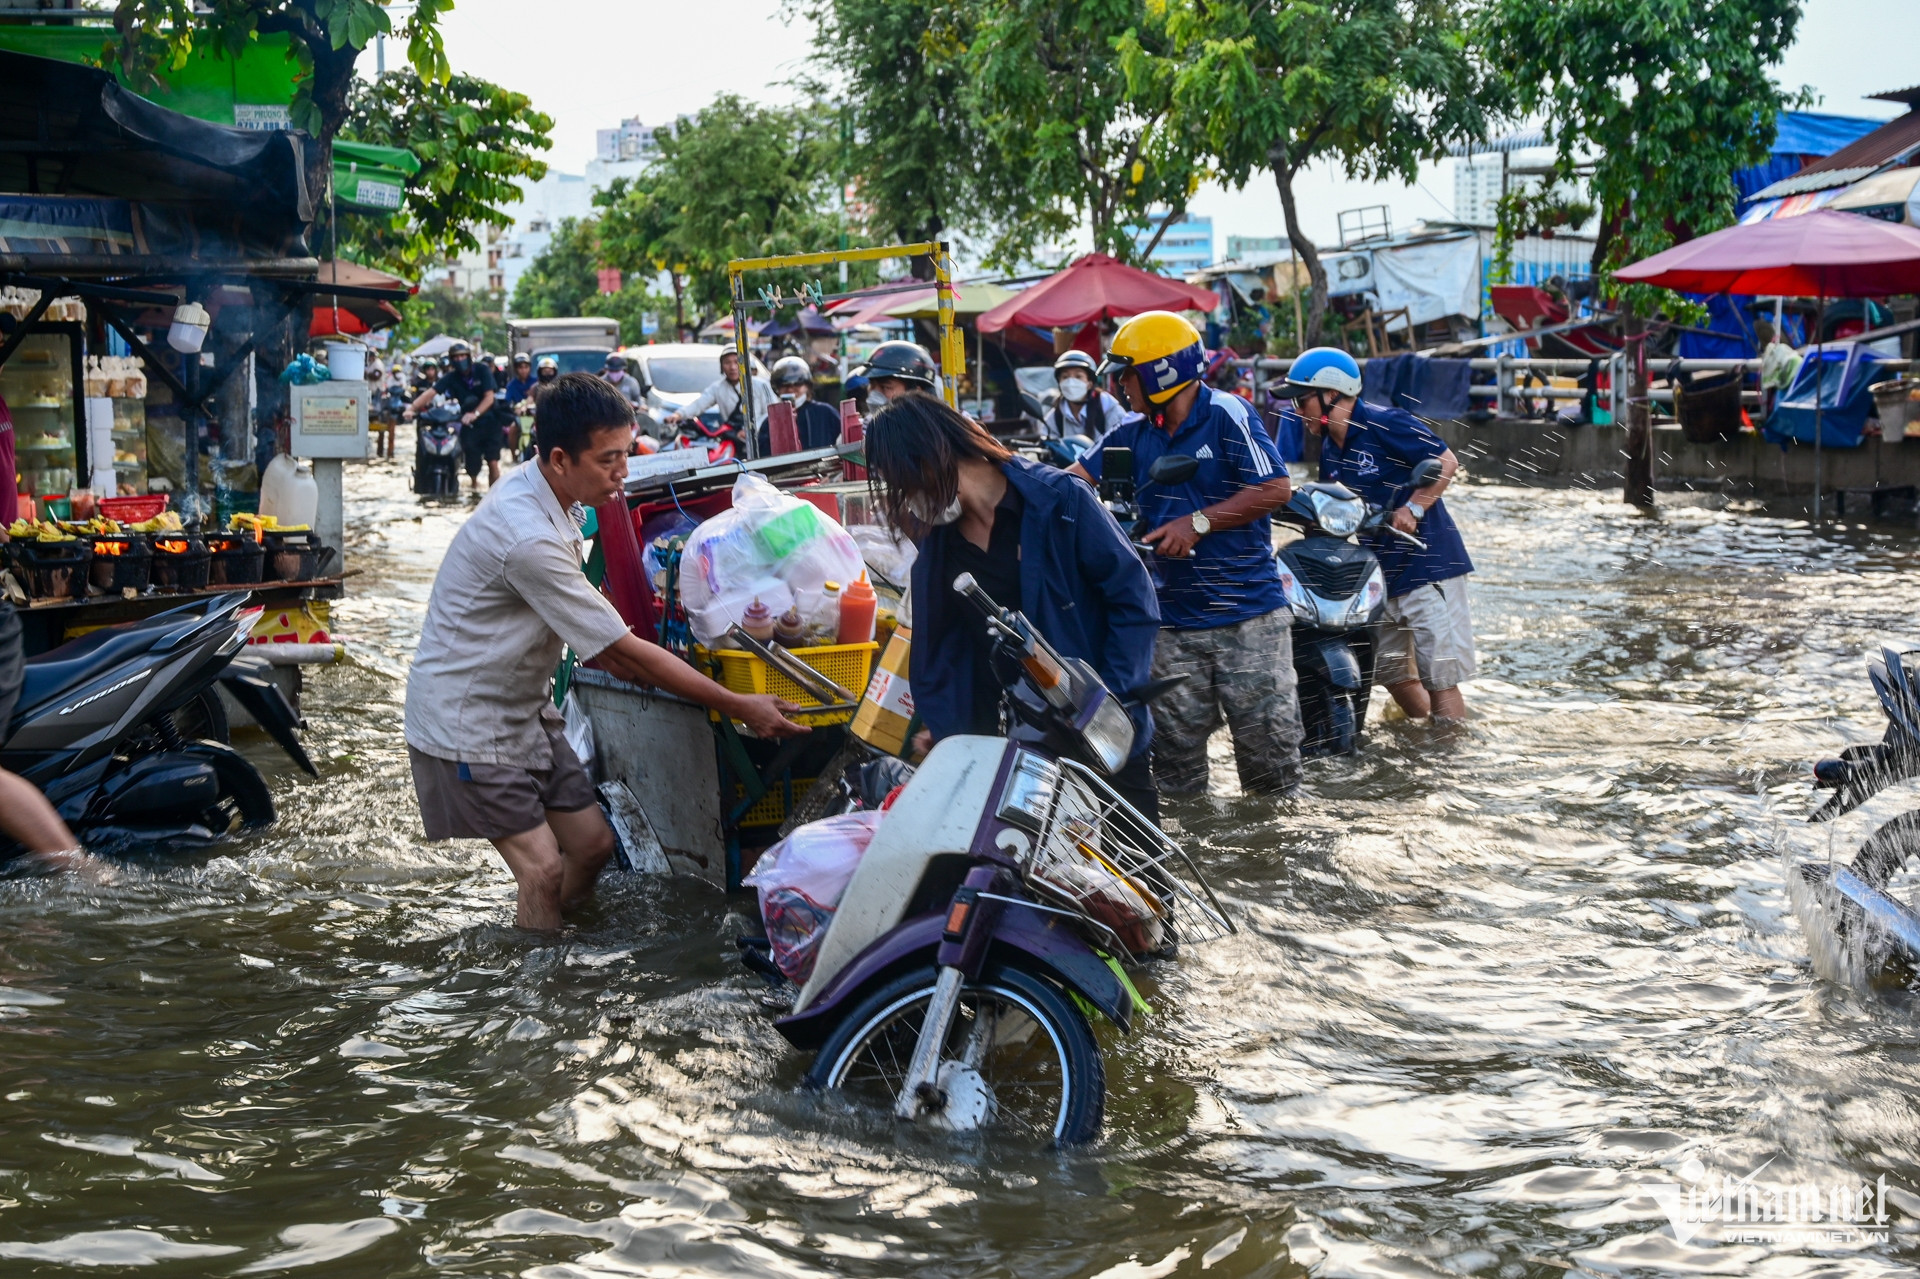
(176, 191)
(1892, 143)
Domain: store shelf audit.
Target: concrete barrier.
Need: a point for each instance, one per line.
(1533, 452)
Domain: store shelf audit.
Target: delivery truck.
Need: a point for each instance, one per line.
(578, 344)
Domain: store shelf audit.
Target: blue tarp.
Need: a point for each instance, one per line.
(1842, 373)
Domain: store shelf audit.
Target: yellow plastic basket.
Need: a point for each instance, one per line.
(847, 665)
(771, 808)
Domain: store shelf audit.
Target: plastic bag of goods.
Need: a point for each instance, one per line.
(771, 547)
(801, 880)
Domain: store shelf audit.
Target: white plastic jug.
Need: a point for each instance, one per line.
(273, 486)
(303, 499)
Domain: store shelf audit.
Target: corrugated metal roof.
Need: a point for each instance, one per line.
(1805, 181)
(1523, 140)
(1909, 96)
(1886, 146)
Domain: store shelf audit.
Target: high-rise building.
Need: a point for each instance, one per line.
(1186, 245)
(1239, 246)
(625, 152)
(1476, 188)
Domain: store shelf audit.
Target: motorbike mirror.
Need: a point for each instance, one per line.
(1173, 468)
(1428, 472)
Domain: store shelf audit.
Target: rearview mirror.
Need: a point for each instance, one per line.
(1173, 468)
(1428, 472)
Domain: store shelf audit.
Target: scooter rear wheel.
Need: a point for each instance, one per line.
(1017, 1034)
(1891, 852)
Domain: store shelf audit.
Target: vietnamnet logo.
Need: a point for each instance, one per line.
(1748, 1209)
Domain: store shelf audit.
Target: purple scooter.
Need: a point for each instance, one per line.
(1001, 896)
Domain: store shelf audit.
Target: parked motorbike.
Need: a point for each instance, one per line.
(721, 442)
(99, 728)
(436, 450)
(1865, 917)
(992, 913)
(1337, 592)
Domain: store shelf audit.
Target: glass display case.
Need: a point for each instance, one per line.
(129, 446)
(40, 383)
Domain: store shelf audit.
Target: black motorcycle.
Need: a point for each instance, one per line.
(116, 727)
(436, 451)
(1337, 593)
(1861, 919)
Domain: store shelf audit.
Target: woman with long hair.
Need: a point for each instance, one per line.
(1037, 540)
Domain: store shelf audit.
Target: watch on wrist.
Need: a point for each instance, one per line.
(1201, 524)
(1418, 511)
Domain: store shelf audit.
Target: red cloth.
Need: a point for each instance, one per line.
(9, 472)
(1823, 254)
(1095, 287)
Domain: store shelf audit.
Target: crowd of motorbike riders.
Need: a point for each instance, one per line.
(1191, 600)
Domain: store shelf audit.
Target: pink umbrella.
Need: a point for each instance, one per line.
(1095, 287)
(1823, 254)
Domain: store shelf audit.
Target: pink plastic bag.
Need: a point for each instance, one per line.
(801, 880)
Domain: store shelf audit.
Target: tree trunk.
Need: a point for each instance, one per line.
(1639, 450)
(1283, 176)
(679, 307)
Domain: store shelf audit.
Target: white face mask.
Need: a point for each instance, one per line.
(876, 401)
(918, 509)
(1075, 389)
(794, 397)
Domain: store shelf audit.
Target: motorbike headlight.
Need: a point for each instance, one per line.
(1108, 734)
(1369, 598)
(1297, 598)
(1340, 516)
(1028, 795)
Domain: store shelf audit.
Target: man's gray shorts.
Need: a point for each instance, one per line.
(1426, 634)
(493, 801)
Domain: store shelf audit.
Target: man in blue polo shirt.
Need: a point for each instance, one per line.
(1224, 622)
(1424, 649)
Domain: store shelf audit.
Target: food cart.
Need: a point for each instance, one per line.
(695, 793)
(145, 256)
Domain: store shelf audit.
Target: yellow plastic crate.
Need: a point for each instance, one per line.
(847, 665)
(771, 808)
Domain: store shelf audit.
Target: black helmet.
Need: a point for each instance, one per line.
(1074, 360)
(458, 348)
(791, 371)
(616, 363)
(907, 361)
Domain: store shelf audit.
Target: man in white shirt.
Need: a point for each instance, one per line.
(723, 393)
(490, 759)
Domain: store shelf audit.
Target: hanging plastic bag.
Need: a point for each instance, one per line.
(771, 547)
(801, 880)
(579, 728)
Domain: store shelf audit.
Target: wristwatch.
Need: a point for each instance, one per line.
(1201, 524)
(1418, 511)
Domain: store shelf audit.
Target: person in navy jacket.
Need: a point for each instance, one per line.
(1037, 540)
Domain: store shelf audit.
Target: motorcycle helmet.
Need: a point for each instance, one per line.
(907, 361)
(1075, 360)
(459, 348)
(616, 364)
(1321, 368)
(522, 358)
(547, 362)
(791, 371)
(1163, 348)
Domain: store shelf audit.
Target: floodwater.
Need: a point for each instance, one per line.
(1486, 989)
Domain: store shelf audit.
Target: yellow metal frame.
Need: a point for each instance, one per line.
(952, 343)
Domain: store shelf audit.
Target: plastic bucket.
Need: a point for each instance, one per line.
(346, 362)
(1894, 408)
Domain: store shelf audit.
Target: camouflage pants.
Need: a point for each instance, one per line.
(1242, 675)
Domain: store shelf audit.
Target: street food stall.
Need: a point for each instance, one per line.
(145, 257)
(772, 575)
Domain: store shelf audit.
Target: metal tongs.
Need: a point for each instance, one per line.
(823, 690)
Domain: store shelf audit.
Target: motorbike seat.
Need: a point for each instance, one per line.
(58, 669)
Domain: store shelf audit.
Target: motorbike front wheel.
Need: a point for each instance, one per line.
(1890, 852)
(1020, 1056)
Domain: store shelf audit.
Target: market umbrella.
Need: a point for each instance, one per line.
(809, 321)
(969, 302)
(1824, 254)
(1095, 287)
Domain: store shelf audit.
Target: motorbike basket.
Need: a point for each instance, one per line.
(1099, 858)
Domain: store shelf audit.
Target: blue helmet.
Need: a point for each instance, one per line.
(1323, 368)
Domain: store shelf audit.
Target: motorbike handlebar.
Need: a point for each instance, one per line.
(1405, 537)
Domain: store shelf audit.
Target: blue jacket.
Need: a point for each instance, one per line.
(1081, 584)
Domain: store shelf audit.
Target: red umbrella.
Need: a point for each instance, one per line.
(1095, 287)
(1824, 254)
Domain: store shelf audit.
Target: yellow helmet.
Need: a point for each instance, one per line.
(1163, 348)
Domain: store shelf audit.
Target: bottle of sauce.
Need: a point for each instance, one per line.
(857, 607)
(758, 622)
(788, 631)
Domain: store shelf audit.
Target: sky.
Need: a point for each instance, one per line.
(591, 63)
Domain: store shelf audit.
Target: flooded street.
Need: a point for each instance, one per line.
(1485, 989)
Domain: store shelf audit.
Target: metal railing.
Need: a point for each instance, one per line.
(1508, 389)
